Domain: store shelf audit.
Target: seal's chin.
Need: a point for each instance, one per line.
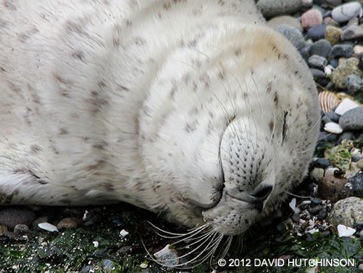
(231, 216)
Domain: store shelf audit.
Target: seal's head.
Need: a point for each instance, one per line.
(233, 147)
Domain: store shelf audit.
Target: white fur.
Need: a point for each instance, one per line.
(102, 101)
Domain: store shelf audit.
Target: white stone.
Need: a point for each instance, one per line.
(345, 12)
(292, 205)
(346, 105)
(123, 233)
(333, 128)
(48, 227)
(344, 231)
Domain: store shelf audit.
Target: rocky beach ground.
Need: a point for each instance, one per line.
(322, 219)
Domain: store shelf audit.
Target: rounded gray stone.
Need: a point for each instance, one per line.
(353, 83)
(352, 33)
(293, 35)
(10, 217)
(347, 11)
(347, 212)
(352, 120)
(321, 48)
(341, 50)
(272, 8)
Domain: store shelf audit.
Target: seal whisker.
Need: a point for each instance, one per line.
(175, 235)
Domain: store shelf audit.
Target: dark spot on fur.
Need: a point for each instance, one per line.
(269, 87)
(9, 5)
(166, 6)
(63, 131)
(100, 145)
(78, 54)
(276, 98)
(109, 187)
(271, 125)
(97, 165)
(35, 149)
(238, 52)
(123, 88)
(191, 127)
(96, 102)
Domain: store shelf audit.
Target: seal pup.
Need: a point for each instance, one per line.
(195, 110)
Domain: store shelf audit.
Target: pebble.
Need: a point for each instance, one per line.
(353, 83)
(322, 163)
(272, 8)
(310, 18)
(327, 137)
(352, 33)
(321, 48)
(352, 119)
(333, 128)
(341, 50)
(345, 68)
(305, 52)
(358, 49)
(347, 212)
(316, 33)
(21, 229)
(332, 116)
(317, 61)
(357, 184)
(285, 20)
(332, 188)
(10, 217)
(69, 222)
(317, 73)
(334, 3)
(293, 35)
(345, 12)
(332, 34)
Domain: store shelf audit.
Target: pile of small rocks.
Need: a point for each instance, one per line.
(329, 36)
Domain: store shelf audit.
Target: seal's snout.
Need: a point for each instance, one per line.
(258, 198)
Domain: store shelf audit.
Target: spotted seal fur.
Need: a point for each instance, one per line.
(195, 110)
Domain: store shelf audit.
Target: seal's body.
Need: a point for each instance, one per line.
(193, 109)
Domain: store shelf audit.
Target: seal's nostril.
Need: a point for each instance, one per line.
(262, 194)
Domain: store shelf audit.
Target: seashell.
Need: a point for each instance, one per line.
(123, 233)
(328, 101)
(344, 231)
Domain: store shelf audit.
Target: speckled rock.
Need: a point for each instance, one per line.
(285, 20)
(293, 35)
(317, 62)
(332, 34)
(347, 212)
(345, 12)
(352, 120)
(310, 18)
(357, 184)
(272, 8)
(353, 83)
(346, 67)
(10, 217)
